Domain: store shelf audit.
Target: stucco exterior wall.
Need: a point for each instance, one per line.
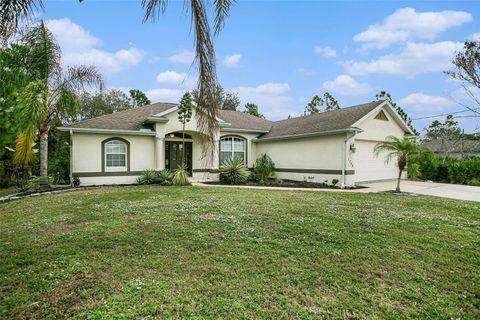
(313, 159)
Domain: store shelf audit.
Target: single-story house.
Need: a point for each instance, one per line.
(458, 149)
(116, 148)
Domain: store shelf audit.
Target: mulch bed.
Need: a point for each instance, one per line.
(285, 184)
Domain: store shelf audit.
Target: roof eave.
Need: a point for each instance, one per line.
(108, 131)
(244, 130)
(307, 135)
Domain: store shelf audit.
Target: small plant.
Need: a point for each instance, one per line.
(180, 177)
(233, 171)
(148, 176)
(76, 182)
(264, 167)
(165, 177)
(335, 182)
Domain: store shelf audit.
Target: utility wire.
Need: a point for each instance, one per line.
(447, 114)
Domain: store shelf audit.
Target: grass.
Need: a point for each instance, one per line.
(7, 191)
(203, 253)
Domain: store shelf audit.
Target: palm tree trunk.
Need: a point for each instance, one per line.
(44, 157)
(397, 189)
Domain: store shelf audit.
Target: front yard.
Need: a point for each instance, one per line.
(154, 252)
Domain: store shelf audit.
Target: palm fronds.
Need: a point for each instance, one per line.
(12, 12)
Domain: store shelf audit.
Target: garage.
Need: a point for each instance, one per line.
(368, 167)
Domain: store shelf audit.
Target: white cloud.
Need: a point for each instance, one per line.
(474, 37)
(414, 59)
(419, 99)
(78, 47)
(325, 51)
(184, 56)
(347, 86)
(271, 99)
(171, 77)
(165, 95)
(406, 24)
(232, 61)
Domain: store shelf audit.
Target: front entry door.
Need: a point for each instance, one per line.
(173, 155)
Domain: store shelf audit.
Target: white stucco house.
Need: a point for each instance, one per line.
(116, 148)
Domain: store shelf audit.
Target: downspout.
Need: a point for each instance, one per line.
(71, 157)
(344, 157)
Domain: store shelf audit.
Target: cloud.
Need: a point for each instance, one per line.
(347, 86)
(271, 99)
(306, 72)
(325, 51)
(414, 59)
(406, 24)
(171, 77)
(184, 56)
(474, 37)
(424, 102)
(78, 47)
(232, 61)
(165, 95)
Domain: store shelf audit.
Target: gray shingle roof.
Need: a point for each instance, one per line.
(134, 119)
(320, 122)
(241, 120)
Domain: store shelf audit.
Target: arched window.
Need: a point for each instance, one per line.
(116, 155)
(233, 146)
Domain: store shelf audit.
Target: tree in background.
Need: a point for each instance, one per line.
(139, 98)
(467, 70)
(51, 92)
(12, 12)
(447, 133)
(99, 104)
(252, 108)
(314, 105)
(185, 115)
(404, 151)
(384, 95)
(225, 100)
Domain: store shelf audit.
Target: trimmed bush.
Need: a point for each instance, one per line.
(462, 171)
(233, 171)
(264, 167)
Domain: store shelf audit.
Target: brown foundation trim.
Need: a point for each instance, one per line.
(206, 170)
(315, 171)
(107, 174)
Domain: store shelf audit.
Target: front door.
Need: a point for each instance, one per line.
(173, 155)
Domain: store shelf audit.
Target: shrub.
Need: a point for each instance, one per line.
(165, 177)
(264, 167)
(461, 171)
(335, 182)
(180, 177)
(413, 171)
(148, 176)
(233, 171)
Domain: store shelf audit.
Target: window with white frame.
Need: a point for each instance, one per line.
(231, 147)
(115, 156)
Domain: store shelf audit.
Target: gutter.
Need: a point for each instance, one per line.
(107, 131)
(306, 135)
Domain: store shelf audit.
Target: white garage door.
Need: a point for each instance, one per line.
(368, 167)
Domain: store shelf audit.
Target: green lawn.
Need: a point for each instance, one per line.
(154, 252)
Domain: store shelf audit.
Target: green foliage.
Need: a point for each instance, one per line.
(233, 171)
(225, 100)
(180, 176)
(165, 177)
(59, 156)
(335, 182)
(384, 95)
(413, 171)
(462, 171)
(446, 133)
(92, 105)
(149, 176)
(328, 101)
(138, 98)
(252, 109)
(264, 167)
(185, 108)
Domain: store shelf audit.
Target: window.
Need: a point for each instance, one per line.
(115, 155)
(231, 147)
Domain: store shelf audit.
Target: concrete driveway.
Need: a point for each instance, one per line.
(444, 190)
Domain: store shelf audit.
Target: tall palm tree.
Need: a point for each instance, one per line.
(51, 92)
(13, 11)
(404, 150)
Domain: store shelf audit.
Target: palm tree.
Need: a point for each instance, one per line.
(13, 11)
(404, 150)
(51, 92)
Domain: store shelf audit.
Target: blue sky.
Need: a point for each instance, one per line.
(278, 54)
